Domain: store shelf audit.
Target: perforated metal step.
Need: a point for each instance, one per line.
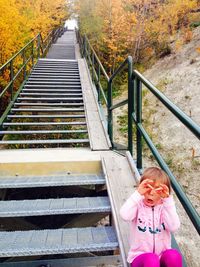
(46, 116)
(45, 141)
(44, 132)
(49, 181)
(60, 241)
(47, 109)
(41, 207)
(43, 104)
(43, 123)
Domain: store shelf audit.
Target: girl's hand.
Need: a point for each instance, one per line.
(163, 191)
(145, 186)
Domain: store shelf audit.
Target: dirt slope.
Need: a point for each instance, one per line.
(178, 77)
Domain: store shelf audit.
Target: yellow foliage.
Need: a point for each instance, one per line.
(21, 20)
(142, 28)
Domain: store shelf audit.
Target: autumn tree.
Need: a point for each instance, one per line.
(142, 28)
(21, 20)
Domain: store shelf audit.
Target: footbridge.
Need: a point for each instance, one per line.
(63, 178)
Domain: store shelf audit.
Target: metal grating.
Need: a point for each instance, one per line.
(59, 241)
(39, 207)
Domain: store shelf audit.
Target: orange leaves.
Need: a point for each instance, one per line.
(142, 28)
(20, 20)
(198, 49)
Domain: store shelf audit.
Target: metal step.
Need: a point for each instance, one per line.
(42, 123)
(50, 99)
(68, 65)
(47, 109)
(47, 71)
(62, 54)
(55, 104)
(54, 80)
(50, 181)
(51, 94)
(44, 132)
(63, 67)
(43, 86)
(52, 83)
(54, 206)
(45, 116)
(51, 75)
(54, 90)
(59, 241)
(59, 63)
(58, 69)
(46, 141)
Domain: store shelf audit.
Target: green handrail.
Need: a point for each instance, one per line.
(35, 48)
(134, 101)
(128, 62)
(95, 64)
(185, 119)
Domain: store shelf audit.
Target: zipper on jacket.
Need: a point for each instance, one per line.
(153, 230)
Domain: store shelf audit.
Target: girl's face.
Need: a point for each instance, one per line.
(152, 197)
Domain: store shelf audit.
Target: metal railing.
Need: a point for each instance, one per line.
(15, 71)
(134, 101)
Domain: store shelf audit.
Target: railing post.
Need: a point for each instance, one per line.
(84, 46)
(138, 85)
(38, 46)
(11, 79)
(109, 111)
(92, 66)
(98, 83)
(88, 57)
(24, 63)
(130, 105)
(32, 51)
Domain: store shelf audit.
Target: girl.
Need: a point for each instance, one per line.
(152, 216)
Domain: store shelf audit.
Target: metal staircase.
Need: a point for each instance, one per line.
(64, 47)
(55, 222)
(49, 110)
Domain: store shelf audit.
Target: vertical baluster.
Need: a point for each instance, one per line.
(84, 46)
(130, 105)
(139, 121)
(92, 66)
(38, 46)
(98, 84)
(11, 79)
(89, 64)
(24, 64)
(32, 51)
(109, 111)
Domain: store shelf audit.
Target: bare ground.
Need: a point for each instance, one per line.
(178, 77)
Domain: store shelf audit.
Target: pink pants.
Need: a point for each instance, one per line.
(169, 258)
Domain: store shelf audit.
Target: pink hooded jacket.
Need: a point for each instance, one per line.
(150, 227)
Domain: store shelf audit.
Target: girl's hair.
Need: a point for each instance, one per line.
(156, 174)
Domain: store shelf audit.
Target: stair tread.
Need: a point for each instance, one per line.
(46, 116)
(51, 98)
(48, 109)
(45, 141)
(44, 123)
(43, 132)
(50, 104)
(48, 181)
(39, 207)
(59, 241)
